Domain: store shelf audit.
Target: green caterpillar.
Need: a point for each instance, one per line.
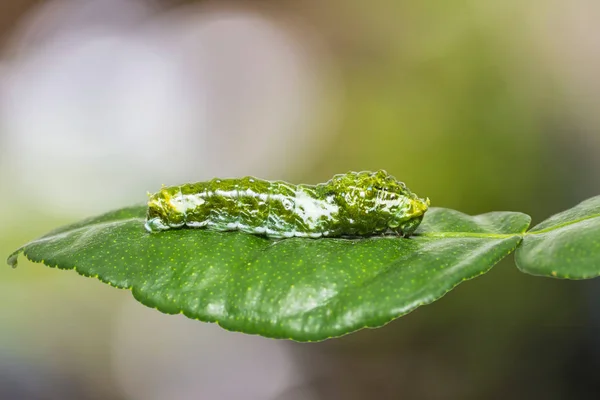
(352, 204)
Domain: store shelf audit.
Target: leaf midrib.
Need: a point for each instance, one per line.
(567, 223)
(468, 234)
(505, 235)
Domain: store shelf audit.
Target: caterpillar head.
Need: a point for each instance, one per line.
(381, 195)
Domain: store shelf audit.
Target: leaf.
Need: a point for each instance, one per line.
(566, 245)
(301, 289)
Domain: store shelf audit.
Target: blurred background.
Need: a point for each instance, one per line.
(479, 105)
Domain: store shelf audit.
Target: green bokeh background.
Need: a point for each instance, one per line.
(458, 103)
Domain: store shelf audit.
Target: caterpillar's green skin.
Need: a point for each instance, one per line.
(351, 204)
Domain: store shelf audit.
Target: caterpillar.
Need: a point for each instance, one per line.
(354, 204)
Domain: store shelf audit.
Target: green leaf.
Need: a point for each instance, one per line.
(301, 289)
(566, 245)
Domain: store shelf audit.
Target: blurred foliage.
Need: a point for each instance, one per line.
(438, 104)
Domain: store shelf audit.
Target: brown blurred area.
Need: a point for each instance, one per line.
(10, 13)
(479, 105)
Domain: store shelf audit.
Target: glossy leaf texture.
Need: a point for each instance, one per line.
(300, 289)
(566, 245)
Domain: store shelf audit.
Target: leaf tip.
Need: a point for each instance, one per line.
(12, 260)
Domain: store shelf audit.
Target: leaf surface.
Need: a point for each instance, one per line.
(301, 289)
(566, 245)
